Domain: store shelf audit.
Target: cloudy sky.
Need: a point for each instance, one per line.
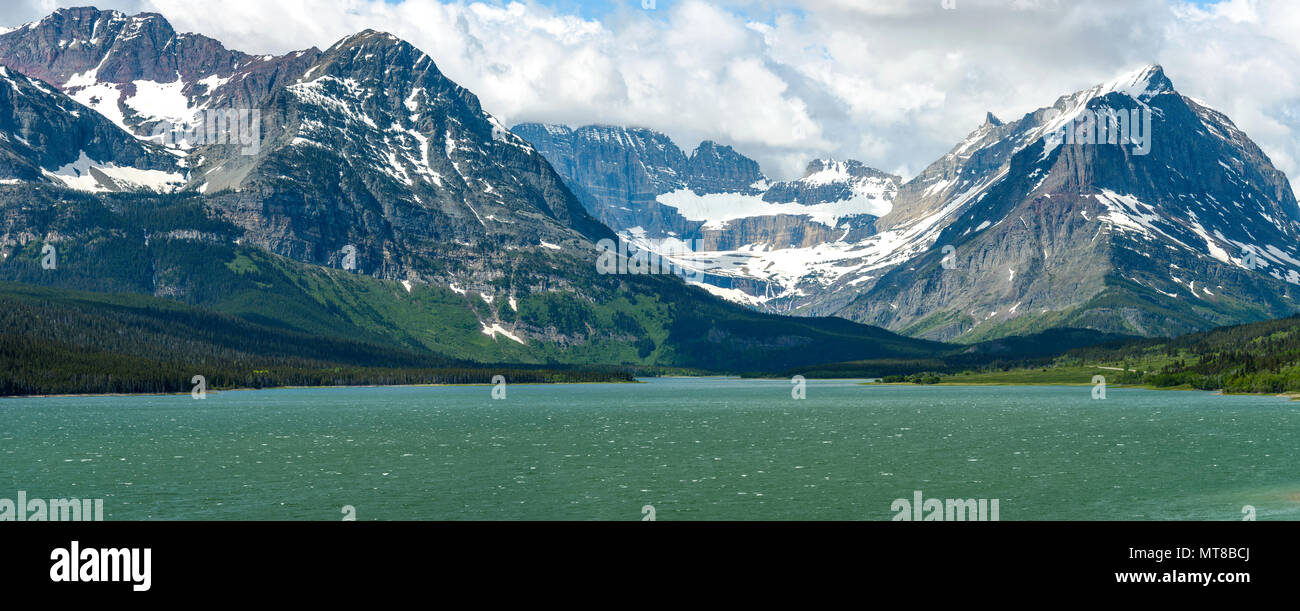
(894, 83)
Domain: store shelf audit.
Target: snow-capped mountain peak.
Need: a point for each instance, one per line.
(1114, 185)
(141, 74)
(1140, 84)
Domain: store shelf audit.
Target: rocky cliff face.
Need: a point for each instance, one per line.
(139, 72)
(47, 137)
(717, 168)
(366, 145)
(775, 245)
(367, 157)
(1192, 228)
(372, 146)
(616, 172)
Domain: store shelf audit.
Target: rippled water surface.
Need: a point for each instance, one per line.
(692, 448)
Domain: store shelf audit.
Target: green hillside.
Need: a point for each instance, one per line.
(172, 246)
(1262, 357)
(55, 341)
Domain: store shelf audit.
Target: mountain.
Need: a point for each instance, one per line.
(139, 72)
(1150, 236)
(776, 245)
(1180, 223)
(379, 201)
(379, 204)
(616, 172)
(172, 245)
(46, 136)
(373, 147)
(54, 341)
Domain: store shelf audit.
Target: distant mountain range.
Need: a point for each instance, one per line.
(1182, 224)
(772, 245)
(380, 204)
(364, 198)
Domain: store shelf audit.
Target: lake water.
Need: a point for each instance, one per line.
(695, 449)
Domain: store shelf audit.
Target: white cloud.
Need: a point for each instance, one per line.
(894, 83)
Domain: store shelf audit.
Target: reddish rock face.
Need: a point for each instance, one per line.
(76, 49)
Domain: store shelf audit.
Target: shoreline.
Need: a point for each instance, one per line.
(340, 386)
(1292, 396)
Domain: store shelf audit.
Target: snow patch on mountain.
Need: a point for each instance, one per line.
(154, 101)
(718, 209)
(86, 174)
(495, 328)
(102, 98)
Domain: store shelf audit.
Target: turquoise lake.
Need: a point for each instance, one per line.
(694, 449)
